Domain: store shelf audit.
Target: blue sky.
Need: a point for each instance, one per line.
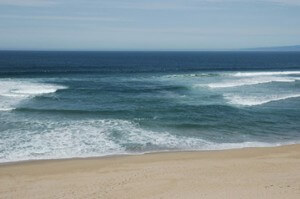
(148, 24)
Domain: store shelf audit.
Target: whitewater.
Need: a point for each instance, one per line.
(46, 129)
(87, 104)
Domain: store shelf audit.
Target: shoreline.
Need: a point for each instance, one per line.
(141, 154)
(266, 172)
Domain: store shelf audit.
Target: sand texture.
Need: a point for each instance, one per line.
(242, 173)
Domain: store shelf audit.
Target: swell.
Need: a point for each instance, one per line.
(69, 111)
(249, 82)
(205, 110)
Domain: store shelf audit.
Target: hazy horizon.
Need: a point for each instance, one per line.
(291, 48)
(163, 25)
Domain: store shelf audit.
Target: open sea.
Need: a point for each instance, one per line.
(83, 104)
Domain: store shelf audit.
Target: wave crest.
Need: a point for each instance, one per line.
(251, 74)
(250, 81)
(254, 100)
(12, 92)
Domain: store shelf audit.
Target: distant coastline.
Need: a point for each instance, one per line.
(275, 48)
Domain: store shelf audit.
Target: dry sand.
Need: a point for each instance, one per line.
(242, 173)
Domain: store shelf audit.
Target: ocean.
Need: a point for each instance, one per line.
(87, 104)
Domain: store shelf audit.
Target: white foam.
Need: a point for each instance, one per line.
(247, 74)
(257, 100)
(90, 138)
(65, 139)
(6, 109)
(191, 75)
(250, 81)
(13, 91)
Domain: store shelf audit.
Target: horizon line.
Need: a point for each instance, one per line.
(268, 48)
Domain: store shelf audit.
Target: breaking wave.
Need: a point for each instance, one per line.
(256, 100)
(13, 91)
(250, 74)
(250, 81)
(90, 138)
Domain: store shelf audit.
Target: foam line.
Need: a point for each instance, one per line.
(250, 81)
(90, 138)
(249, 74)
(254, 101)
(13, 92)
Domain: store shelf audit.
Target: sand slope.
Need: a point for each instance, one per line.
(242, 173)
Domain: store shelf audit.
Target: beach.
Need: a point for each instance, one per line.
(140, 99)
(238, 173)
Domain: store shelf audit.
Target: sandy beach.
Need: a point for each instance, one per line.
(240, 173)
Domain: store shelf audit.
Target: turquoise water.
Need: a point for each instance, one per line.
(63, 104)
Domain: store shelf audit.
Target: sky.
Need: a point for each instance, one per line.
(148, 24)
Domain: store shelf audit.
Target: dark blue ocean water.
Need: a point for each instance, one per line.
(82, 104)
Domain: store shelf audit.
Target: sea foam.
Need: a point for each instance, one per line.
(257, 100)
(249, 74)
(250, 81)
(90, 138)
(13, 92)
